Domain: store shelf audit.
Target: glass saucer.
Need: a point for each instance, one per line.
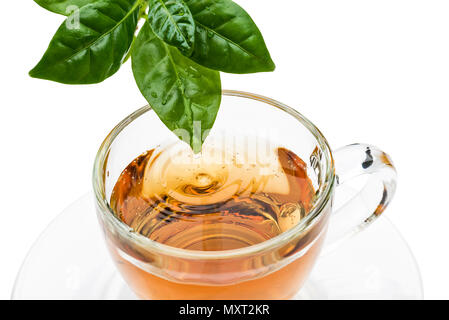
(70, 261)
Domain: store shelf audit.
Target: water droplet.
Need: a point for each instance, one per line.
(203, 179)
(154, 94)
(210, 34)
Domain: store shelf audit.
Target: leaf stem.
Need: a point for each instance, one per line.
(143, 9)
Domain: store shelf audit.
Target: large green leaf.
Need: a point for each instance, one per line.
(182, 93)
(172, 21)
(93, 49)
(64, 7)
(227, 39)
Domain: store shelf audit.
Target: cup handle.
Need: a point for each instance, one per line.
(370, 199)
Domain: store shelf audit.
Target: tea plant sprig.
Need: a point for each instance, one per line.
(176, 56)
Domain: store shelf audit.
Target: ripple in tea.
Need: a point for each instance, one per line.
(217, 200)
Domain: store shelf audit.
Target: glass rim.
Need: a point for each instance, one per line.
(279, 240)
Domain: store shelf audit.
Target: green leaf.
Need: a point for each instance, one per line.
(92, 49)
(182, 93)
(172, 21)
(64, 7)
(227, 39)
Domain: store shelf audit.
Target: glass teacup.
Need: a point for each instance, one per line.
(272, 269)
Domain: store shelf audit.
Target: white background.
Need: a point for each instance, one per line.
(362, 71)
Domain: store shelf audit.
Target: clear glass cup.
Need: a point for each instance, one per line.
(273, 269)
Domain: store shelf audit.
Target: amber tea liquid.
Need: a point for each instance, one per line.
(213, 201)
